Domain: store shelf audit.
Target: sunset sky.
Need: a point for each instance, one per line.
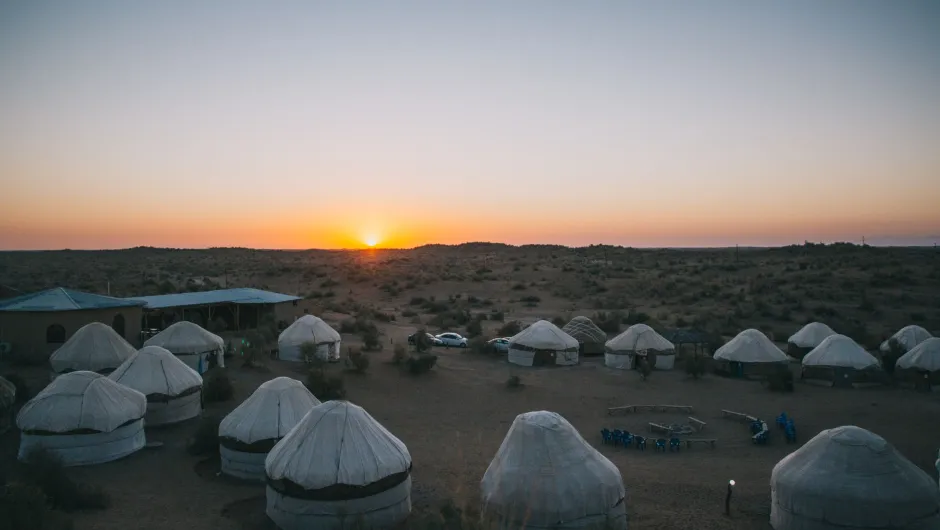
(316, 124)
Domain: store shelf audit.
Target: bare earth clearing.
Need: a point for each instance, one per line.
(454, 418)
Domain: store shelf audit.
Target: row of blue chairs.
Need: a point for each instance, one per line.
(789, 429)
(618, 437)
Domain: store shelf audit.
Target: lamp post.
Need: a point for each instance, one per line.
(728, 497)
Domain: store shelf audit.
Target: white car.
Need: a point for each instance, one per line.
(452, 339)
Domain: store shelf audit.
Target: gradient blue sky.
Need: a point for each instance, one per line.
(320, 124)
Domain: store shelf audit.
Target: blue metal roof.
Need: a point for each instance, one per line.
(223, 296)
(61, 299)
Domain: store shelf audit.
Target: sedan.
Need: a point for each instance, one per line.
(498, 345)
(452, 339)
(432, 340)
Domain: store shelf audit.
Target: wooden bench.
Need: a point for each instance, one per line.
(657, 427)
(633, 408)
(697, 424)
(703, 441)
(737, 415)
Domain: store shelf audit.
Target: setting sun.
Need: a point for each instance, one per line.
(371, 241)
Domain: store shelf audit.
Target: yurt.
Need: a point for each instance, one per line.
(85, 418)
(336, 469)
(173, 390)
(840, 361)
(249, 432)
(191, 343)
(583, 490)
(907, 337)
(95, 347)
(639, 340)
(748, 354)
(807, 338)
(848, 477)
(7, 400)
(309, 329)
(922, 364)
(543, 343)
(589, 336)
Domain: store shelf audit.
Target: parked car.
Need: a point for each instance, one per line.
(452, 339)
(498, 345)
(434, 341)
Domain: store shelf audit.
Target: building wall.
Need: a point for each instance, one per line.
(26, 331)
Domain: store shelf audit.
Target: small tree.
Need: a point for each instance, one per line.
(358, 361)
(421, 363)
(308, 352)
(474, 328)
(422, 342)
(370, 338)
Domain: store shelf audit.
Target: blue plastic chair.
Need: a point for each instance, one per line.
(790, 432)
(757, 426)
(607, 436)
(627, 439)
(661, 445)
(641, 443)
(782, 419)
(674, 444)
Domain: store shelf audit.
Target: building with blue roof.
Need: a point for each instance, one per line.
(34, 325)
(222, 309)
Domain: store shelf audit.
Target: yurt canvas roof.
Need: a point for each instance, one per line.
(811, 335)
(308, 328)
(81, 400)
(924, 356)
(852, 478)
(337, 443)
(154, 370)
(270, 412)
(639, 337)
(93, 347)
(184, 337)
(908, 337)
(545, 472)
(7, 393)
(751, 346)
(839, 350)
(543, 335)
(583, 329)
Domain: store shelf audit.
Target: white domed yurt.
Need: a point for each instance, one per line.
(807, 338)
(85, 418)
(907, 337)
(336, 469)
(191, 343)
(922, 364)
(589, 336)
(95, 347)
(7, 400)
(543, 343)
(173, 390)
(309, 329)
(639, 340)
(545, 475)
(848, 477)
(249, 432)
(840, 361)
(750, 353)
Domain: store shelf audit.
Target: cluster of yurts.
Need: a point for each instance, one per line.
(325, 465)
(824, 354)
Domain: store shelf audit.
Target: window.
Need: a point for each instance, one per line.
(118, 324)
(55, 334)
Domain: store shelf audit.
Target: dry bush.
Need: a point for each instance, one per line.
(24, 506)
(400, 354)
(358, 361)
(44, 470)
(514, 381)
(325, 387)
(205, 441)
(217, 387)
(419, 364)
(474, 328)
(22, 389)
(509, 329)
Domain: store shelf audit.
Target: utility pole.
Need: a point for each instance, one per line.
(736, 253)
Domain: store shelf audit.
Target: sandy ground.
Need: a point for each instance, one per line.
(454, 419)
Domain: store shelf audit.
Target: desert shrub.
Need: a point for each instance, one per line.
(370, 339)
(497, 316)
(408, 313)
(474, 328)
(205, 441)
(558, 321)
(422, 342)
(608, 321)
(518, 287)
(645, 369)
(217, 387)
(695, 366)
(400, 354)
(781, 381)
(45, 471)
(325, 387)
(358, 361)
(419, 364)
(890, 358)
(22, 389)
(478, 345)
(23, 506)
(509, 329)
(530, 300)
(417, 300)
(636, 317)
(514, 381)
